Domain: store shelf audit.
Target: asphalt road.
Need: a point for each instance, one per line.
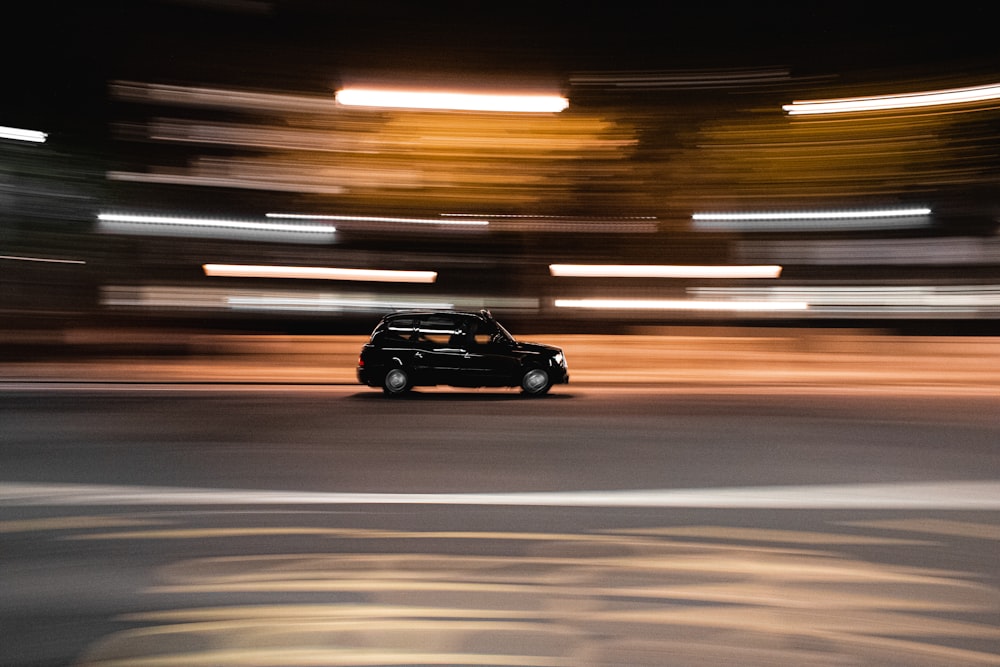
(150, 524)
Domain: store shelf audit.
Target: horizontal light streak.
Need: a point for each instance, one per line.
(682, 79)
(220, 223)
(331, 303)
(248, 179)
(19, 134)
(817, 215)
(220, 299)
(936, 495)
(683, 304)
(318, 273)
(539, 216)
(46, 260)
(192, 298)
(323, 304)
(662, 271)
(451, 101)
(219, 98)
(950, 251)
(364, 218)
(564, 224)
(257, 136)
(888, 102)
(872, 299)
(887, 218)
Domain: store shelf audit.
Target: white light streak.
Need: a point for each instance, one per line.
(934, 251)
(538, 216)
(565, 224)
(930, 495)
(683, 304)
(19, 134)
(888, 218)
(318, 273)
(662, 271)
(224, 298)
(244, 180)
(875, 300)
(327, 304)
(817, 215)
(888, 102)
(682, 79)
(219, 98)
(451, 101)
(362, 218)
(46, 260)
(223, 223)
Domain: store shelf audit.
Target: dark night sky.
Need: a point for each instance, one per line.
(63, 53)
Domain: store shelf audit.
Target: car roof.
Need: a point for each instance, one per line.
(423, 313)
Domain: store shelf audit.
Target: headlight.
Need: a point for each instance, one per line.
(559, 360)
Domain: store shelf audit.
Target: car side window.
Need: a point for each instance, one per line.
(397, 330)
(483, 334)
(439, 331)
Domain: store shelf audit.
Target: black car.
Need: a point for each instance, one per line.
(426, 348)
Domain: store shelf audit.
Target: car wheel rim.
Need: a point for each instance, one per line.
(535, 381)
(395, 380)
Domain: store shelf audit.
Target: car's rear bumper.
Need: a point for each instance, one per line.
(366, 377)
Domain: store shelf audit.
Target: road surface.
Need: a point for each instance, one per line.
(752, 497)
(311, 524)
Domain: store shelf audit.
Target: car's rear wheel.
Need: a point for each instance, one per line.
(396, 382)
(536, 382)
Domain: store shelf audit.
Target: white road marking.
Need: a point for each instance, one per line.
(945, 495)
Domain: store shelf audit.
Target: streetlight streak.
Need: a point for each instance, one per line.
(19, 134)
(662, 271)
(837, 220)
(528, 222)
(816, 215)
(682, 304)
(318, 273)
(323, 303)
(214, 222)
(450, 101)
(46, 260)
(888, 102)
(362, 218)
(965, 495)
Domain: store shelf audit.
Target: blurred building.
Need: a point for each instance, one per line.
(261, 167)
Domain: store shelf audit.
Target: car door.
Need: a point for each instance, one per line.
(489, 359)
(391, 344)
(438, 354)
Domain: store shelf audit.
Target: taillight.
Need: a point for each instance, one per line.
(361, 362)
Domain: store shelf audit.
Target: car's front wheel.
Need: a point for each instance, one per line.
(536, 382)
(396, 382)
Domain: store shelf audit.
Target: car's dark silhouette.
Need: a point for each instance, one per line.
(427, 348)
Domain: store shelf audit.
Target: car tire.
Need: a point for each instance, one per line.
(536, 382)
(396, 382)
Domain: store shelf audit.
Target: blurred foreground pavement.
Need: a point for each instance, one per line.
(714, 357)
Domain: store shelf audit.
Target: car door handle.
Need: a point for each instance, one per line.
(418, 355)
